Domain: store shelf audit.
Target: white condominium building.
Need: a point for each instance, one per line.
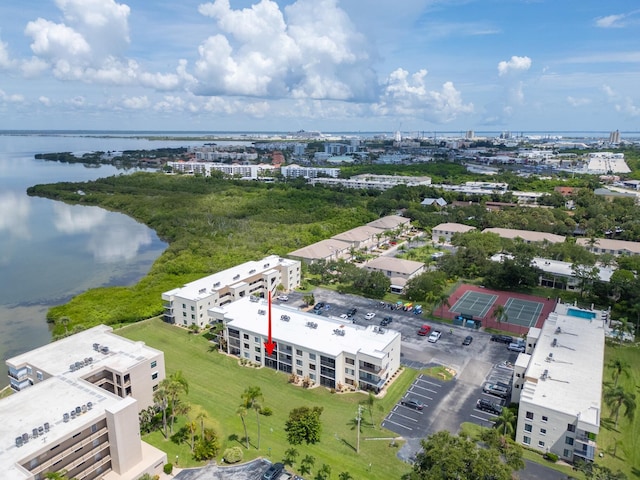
(293, 171)
(76, 409)
(252, 172)
(328, 351)
(188, 304)
(559, 384)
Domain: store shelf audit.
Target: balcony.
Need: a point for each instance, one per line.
(18, 376)
(368, 367)
(585, 448)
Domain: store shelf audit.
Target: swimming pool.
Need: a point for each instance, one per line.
(575, 312)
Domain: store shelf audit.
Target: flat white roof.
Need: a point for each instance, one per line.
(574, 366)
(203, 287)
(556, 267)
(527, 235)
(46, 402)
(55, 358)
(243, 315)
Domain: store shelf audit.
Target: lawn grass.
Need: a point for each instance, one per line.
(216, 382)
(627, 434)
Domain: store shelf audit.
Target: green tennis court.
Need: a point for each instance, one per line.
(522, 312)
(474, 303)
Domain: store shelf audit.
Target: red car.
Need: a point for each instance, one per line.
(424, 330)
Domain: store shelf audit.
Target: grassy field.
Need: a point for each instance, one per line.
(625, 439)
(217, 381)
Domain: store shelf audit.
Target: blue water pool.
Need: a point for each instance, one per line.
(575, 312)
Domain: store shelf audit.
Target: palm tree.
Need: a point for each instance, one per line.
(175, 385)
(345, 476)
(252, 397)
(192, 428)
(61, 475)
(161, 398)
(506, 421)
(500, 314)
(618, 368)
(618, 397)
(306, 464)
(324, 472)
(442, 300)
(242, 411)
(201, 416)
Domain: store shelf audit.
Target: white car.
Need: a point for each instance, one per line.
(435, 336)
(344, 316)
(283, 298)
(370, 315)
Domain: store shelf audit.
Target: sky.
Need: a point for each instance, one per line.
(327, 65)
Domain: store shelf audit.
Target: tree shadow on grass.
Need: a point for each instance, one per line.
(609, 424)
(348, 444)
(635, 472)
(242, 441)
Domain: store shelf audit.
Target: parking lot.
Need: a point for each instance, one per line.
(446, 404)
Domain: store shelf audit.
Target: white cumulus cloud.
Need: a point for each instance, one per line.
(308, 50)
(578, 102)
(136, 103)
(619, 20)
(515, 64)
(409, 95)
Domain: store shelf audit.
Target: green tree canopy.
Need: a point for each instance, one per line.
(304, 425)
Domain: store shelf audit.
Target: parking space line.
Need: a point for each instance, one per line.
(422, 388)
(395, 412)
(482, 418)
(421, 379)
(420, 395)
(395, 423)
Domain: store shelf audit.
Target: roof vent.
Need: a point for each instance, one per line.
(554, 343)
(545, 374)
(558, 330)
(252, 271)
(285, 318)
(217, 284)
(262, 312)
(236, 277)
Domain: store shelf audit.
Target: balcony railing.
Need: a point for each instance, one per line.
(370, 368)
(18, 376)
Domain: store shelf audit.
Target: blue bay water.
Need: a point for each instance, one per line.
(51, 251)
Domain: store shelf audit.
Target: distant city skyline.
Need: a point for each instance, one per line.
(327, 65)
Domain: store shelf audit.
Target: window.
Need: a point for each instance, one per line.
(568, 440)
(518, 375)
(312, 367)
(256, 339)
(543, 431)
(257, 349)
(540, 443)
(545, 418)
(29, 371)
(312, 356)
(350, 371)
(258, 358)
(298, 352)
(94, 428)
(298, 362)
(155, 387)
(184, 314)
(528, 427)
(526, 440)
(571, 427)
(246, 345)
(184, 305)
(566, 453)
(312, 376)
(39, 375)
(349, 361)
(154, 376)
(529, 415)
(193, 309)
(298, 372)
(154, 364)
(246, 354)
(245, 336)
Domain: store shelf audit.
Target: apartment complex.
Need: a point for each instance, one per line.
(376, 182)
(76, 409)
(293, 171)
(398, 270)
(328, 351)
(609, 245)
(558, 384)
(527, 236)
(251, 172)
(188, 305)
(447, 230)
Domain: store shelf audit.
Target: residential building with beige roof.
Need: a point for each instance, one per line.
(364, 237)
(447, 230)
(527, 236)
(398, 270)
(609, 245)
(328, 249)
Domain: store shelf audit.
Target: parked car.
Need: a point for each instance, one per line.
(352, 311)
(413, 403)
(273, 472)
(283, 298)
(370, 315)
(424, 330)
(502, 338)
(435, 336)
(417, 310)
(516, 347)
(344, 316)
(467, 340)
(495, 389)
(488, 406)
(319, 306)
(386, 321)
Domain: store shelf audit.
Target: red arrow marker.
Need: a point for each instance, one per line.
(269, 345)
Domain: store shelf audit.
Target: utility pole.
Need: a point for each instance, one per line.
(358, 418)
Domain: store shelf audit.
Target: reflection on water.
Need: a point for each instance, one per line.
(14, 213)
(50, 251)
(109, 239)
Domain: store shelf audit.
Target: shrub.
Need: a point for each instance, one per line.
(233, 455)
(552, 457)
(266, 411)
(168, 468)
